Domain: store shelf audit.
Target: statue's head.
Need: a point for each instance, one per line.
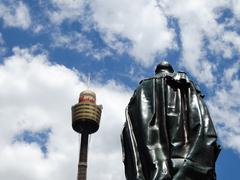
(164, 66)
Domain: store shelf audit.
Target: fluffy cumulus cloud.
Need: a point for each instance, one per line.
(37, 95)
(225, 107)
(204, 31)
(15, 14)
(139, 22)
(142, 29)
(121, 25)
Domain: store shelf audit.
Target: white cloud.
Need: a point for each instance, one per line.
(201, 31)
(236, 8)
(75, 41)
(197, 21)
(139, 22)
(78, 42)
(233, 39)
(16, 14)
(225, 106)
(2, 42)
(38, 95)
(66, 9)
(143, 35)
(140, 28)
(38, 28)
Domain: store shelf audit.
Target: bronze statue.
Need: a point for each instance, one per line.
(168, 134)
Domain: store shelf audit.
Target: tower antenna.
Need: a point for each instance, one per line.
(88, 81)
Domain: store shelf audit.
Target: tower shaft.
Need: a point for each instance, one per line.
(82, 164)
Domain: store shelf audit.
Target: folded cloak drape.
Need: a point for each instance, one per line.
(168, 132)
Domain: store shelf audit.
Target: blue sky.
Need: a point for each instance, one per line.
(48, 48)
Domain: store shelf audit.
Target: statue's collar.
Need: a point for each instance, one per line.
(163, 71)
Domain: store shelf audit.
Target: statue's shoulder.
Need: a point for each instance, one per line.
(178, 76)
(183, 77)
(157, 76)
(146, 80)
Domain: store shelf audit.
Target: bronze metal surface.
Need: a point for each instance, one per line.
(169, 134)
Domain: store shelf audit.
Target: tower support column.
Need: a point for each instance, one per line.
(82, 164)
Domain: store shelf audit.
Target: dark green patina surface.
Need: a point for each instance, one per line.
(168, 132)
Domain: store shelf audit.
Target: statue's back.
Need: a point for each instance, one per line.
(169, 133)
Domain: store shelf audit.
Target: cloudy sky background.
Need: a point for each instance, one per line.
(48, 48)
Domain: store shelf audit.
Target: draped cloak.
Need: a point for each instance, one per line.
(168, 133)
